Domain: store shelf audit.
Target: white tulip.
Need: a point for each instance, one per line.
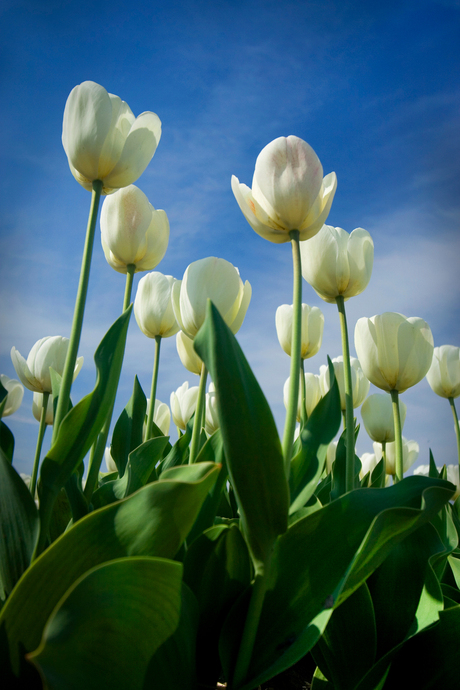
(153, 306)
(312, 394)
(183, 404)
(360, 384)
(377, 415)
(452, 476)
(161, 416)
(47, 352)
(15, 393)
(132, 231)
(444, 372)
(104, 141)
(411, 450)
(109, 461)
(212, 418)
(288, 191)
(312, 329)
(37, 408)
(187, 354)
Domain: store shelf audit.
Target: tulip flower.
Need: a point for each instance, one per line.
(288, 191)
(368, 463)
(312, 394)
(153, 306)
(411, 451)
(377, 416)
(312, 329)
(444, 372)
(15, 393)
(161, 415)
(37, 409)
(215, 279)
(133, 233)
(47, 352)
(104, 141)
(337, 263)
(212, 418)
(360, 384)
(187, 354)
(183, 404)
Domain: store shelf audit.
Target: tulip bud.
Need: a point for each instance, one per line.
(104, 141)
(360, 384)
(153, 307)
(132, 231)
(37, 408)
(312, 329)
(395, 352)
(336, 263)
(288, 191)
(377, 415)
(410, 454)
(187, 354)
(212, 418)
(183, 404)
(312, 394)
(15, 393)
(161, 416)
(47, 352)
(214, 279)
(444, 372)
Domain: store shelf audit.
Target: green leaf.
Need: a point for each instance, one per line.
(307, 466)
(127, 434)
(6, 441)
(251, 443)
(108, 626)
(339, 468)
(152, 522)
(19, 526)
(179, 453)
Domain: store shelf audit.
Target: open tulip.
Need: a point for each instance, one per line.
(215, 279)
(47, 352)
(153, 307)
(312, 329)
(360, 384)
(444, 372)
(187, 354)
(15, 393)
(183, 404)
(337, 263)
(288, 191)
(104, 141)
(410, 454)
(132, 231)
(377, 415)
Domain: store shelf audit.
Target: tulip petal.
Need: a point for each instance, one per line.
(319, 212)
(22, 370)
(157, 240)
(246, 298)
(256, 215)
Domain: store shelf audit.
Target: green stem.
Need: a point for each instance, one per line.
(69, 367)
(457, 428)
(130, 268)
(349, 425)
(291, 413)
(303, 396)
(38, 449)
(384, 456)
(153, 390)
(197, 422)
(399, 466)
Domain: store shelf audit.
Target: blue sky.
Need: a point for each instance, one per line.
(373, 87)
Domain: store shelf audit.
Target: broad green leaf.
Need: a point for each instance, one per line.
(109, 624)
(6, 441)
(152, 522)
(80, 427)
(179, 453)
(323, 558)
(127, 434)
(19, 526)
(251, 443)
(307, 466)
(320, 682)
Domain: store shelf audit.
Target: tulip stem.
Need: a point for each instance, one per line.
(399, 467)
(153, 389)
(197, 422)
(348, 387)
(457, 428)
(38, 450)
(130, 268)
(384, 456)
(69, 367)
(293, 401)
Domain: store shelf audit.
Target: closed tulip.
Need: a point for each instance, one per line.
(288, 191)
(444, 372)
(410, 449)
(360, 384)
(395, 352)
(337, 263)
(153, 306)
(212, 418)
(37, 408)
(183, 404)
(15, 393)
(312, 394)
(132, 231)
(47, 352)
(377, 415)
(187, 353)
(215, 279)
(104, 141)
(161, 415)
(312, 329)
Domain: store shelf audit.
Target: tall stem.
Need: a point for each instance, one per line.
(399, 467)
(130, 268)
(67, 375)
(457, 428)
(293, 401)
(38, 449)
(349, 426)
(153, 389)
(197, 422)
